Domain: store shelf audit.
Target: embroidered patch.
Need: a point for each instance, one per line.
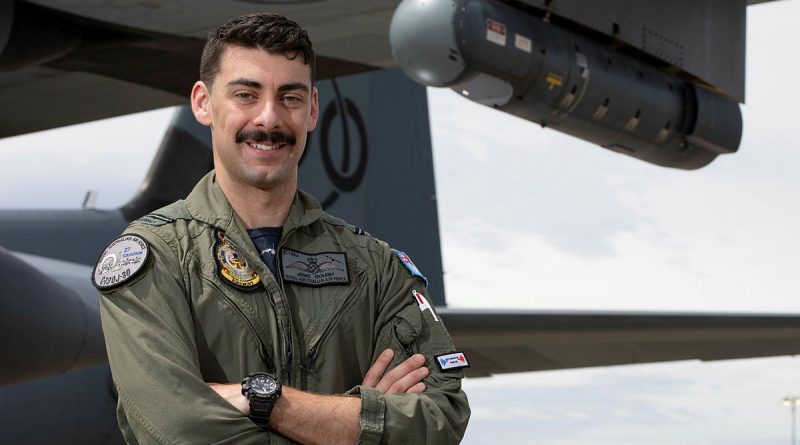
(406, 260)
(120, 261)
(318, 269)
(423, 303)
(232, 265)
(454, 360)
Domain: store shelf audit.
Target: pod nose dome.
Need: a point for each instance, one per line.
(422, 37)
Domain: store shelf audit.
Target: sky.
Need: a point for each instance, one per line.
(557, 223)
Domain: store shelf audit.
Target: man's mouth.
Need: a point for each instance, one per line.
(264, 147)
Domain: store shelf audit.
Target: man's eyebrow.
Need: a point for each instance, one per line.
(245, 82)
(293, 86)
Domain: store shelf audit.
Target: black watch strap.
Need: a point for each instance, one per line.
(260, 411)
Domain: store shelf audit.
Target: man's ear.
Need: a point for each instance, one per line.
(200, 103)
(312, 118)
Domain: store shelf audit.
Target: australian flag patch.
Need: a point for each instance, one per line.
(412, 268)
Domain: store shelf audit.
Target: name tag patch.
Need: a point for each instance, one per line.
(120, 261)
(454, 360)
(318, 269)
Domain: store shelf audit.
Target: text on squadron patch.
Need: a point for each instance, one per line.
(319, 269)
(120, 261)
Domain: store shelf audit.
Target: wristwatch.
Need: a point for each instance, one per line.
(262, 390)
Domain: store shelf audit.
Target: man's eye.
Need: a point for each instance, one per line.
(244, 96)
(292, 100)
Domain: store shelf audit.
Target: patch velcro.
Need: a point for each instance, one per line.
(120, 261)
(452, 361)
(317, 269)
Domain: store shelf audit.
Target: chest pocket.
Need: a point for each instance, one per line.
(406, 327)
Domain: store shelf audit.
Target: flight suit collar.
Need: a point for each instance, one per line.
(208, 203)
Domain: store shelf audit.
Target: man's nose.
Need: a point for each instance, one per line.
(269, 116)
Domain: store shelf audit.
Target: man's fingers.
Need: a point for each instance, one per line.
(377, 369)
(418, 388)
(408, 381)
(405, 377)
(400, 371)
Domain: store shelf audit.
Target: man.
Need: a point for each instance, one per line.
(247, 278)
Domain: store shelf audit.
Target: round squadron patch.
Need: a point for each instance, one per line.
(121, 260)
(232, 266)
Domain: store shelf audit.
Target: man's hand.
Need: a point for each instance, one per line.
(404, 378)
(233, 394)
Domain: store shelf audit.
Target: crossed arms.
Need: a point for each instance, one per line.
(313, 418)
(155, 355)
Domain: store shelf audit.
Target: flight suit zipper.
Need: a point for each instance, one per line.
(287, 332)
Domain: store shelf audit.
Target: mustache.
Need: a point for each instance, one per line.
(260, 136)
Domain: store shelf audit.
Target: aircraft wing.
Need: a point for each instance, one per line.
(68, 62)
(515, 341)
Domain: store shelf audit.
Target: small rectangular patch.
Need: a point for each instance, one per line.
(495, 32)
(451, 361)
(523, 43)
(318, 269)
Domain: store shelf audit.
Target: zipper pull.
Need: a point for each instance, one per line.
(408, 349)
(308, 362)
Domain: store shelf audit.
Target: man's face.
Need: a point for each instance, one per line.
(259, 108)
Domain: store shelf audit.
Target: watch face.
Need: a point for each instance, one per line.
(263, 385)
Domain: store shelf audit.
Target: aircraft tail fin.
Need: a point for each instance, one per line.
(182, 159)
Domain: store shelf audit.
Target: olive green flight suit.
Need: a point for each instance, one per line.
(178, 324)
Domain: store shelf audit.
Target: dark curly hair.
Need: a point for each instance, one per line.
(270, 32)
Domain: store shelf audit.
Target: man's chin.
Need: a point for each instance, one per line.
(268, 181)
